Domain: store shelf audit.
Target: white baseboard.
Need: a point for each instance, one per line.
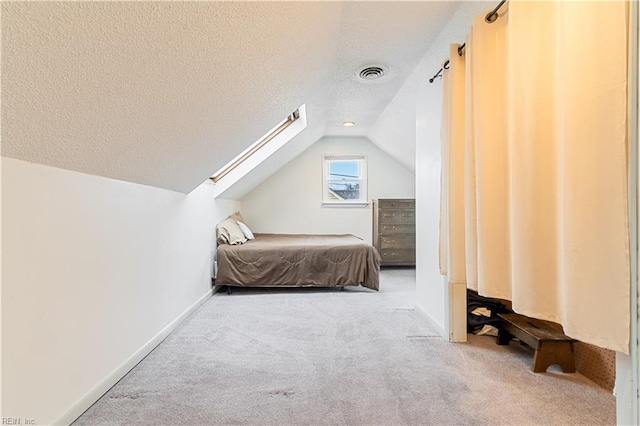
(96, 393)
(432, 322)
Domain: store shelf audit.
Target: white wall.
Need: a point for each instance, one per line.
(93, 270)
(290, 200)
(423, 100)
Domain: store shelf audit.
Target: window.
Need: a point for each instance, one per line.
(344, 179)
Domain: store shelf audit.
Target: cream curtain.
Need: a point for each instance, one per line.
(544, 166)
(470, 195)
(452, 232)
(488, 58)
(444, 175)
(595, 247)
(568, 167)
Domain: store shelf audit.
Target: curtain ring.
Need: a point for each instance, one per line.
(491, 17)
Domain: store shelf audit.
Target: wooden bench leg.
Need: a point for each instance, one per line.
(549, 353)
(503, 337)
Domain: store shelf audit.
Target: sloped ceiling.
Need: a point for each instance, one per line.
(165, 93)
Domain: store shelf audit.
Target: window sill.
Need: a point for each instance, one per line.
(342, 205)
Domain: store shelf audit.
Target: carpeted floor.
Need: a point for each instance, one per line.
(325, 357)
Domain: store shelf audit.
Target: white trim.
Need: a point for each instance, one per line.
(341, 205)
(432, 322)
(83, 404)
(627, 366)
(634, 111)
(457, 312)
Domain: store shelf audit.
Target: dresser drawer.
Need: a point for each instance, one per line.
(398, 256)
(389, 216)
(407, 216)
(397, 204)
(397, 216)
(397, 228)
(398, 242)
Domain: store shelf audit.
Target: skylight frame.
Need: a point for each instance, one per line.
(247, 153)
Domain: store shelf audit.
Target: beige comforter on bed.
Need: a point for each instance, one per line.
(282, 260)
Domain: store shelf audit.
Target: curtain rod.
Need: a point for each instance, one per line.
(489, 18)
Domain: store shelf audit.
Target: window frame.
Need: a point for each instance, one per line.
(362, 180)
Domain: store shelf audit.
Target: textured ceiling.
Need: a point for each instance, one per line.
(394, 34)
(165, 93)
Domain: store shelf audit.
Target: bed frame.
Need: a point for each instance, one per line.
(298, 260)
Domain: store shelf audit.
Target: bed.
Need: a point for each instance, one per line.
(294, 260)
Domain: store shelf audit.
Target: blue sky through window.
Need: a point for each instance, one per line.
(339, 170)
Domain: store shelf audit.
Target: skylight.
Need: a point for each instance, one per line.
(264, 140)
(259, 161)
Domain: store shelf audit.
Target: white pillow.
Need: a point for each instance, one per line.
(229, 229)
(246, 231)
(222, 235)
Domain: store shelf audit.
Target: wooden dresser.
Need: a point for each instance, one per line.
(394, 230)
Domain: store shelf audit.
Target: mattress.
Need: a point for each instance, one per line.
(296, 260)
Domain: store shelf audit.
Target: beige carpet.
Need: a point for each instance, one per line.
(325, 357)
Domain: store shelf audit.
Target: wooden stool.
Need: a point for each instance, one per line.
(552, 346)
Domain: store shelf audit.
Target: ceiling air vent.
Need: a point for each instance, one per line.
(371, 72)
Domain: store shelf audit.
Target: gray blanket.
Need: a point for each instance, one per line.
(283, 260)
